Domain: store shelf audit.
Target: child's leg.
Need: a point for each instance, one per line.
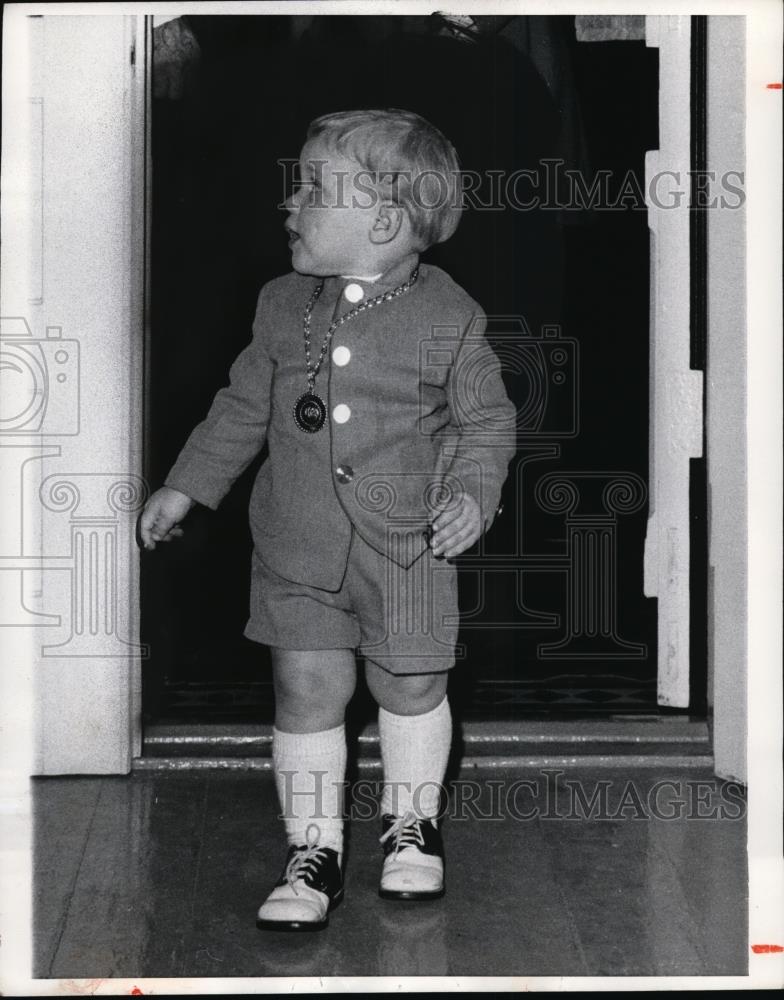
(312, 690)
(415, 729)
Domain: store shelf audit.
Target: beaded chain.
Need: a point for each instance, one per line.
(312, 369)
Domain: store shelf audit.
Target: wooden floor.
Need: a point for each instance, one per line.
(160, 874)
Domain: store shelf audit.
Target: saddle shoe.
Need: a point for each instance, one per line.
(310, 885)
(413, 858)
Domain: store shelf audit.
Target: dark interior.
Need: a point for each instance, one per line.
(581, 273)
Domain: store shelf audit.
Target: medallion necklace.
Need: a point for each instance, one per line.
(310, 411)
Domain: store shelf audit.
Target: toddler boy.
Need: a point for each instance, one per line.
(389, 435)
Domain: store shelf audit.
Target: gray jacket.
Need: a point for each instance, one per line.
(428, 417)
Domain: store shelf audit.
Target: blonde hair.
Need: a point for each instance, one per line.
(416, 166)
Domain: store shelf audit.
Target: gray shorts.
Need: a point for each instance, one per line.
(404, 620)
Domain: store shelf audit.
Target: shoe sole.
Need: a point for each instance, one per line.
(412, 895)
(284, 925)
(299, 925)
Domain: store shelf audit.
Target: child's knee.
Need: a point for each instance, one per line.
(406, 694)
(308, 682)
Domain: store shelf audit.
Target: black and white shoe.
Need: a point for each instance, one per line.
(414, 858)
(310, 886)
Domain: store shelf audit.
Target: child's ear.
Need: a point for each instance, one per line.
(387, 223)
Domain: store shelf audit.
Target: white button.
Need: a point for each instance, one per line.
(354, 292)
(341, 356)
(341, 413)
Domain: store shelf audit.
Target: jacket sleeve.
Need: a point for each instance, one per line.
(482, 434)
(222, 446)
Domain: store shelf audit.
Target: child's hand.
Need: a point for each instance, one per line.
(161, 516)
(456, 529)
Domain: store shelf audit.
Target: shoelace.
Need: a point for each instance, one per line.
(407, 831)
(306, 860)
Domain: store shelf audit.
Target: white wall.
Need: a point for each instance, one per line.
(726, 403)
(70, 580)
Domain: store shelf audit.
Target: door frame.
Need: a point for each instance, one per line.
(59, 694)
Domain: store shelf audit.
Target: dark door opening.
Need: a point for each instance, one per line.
(556, 623)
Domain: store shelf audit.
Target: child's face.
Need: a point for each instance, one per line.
(334, 216)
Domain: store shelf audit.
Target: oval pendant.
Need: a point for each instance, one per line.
(310, 412)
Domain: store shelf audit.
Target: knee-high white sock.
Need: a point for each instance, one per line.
(414, 751)
(309, 772)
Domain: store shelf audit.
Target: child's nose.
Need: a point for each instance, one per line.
(291, 204)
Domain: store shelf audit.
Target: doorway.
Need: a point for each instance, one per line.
(566, 283)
